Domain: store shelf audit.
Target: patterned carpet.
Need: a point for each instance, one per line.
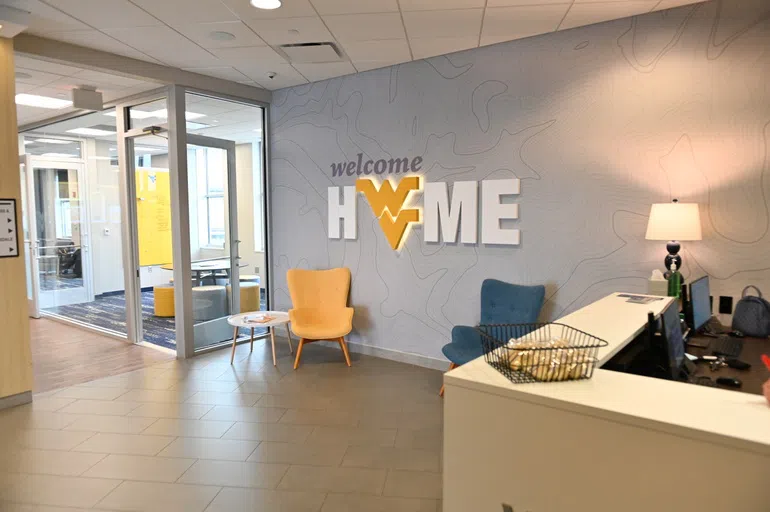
(109, 312)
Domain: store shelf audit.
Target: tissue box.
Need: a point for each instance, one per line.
(657, 287)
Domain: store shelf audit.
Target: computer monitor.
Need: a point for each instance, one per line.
(700, 302)
(671, 330)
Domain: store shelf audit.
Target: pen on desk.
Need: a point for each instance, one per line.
(766, 360)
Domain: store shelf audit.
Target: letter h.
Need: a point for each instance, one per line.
(345, 211)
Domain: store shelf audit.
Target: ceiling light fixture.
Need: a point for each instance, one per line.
(53, 141)
(93, 132)
(135, 114)
(220, 35)
(266, 4)
(163, 114)
(33, 100)
(58, 155)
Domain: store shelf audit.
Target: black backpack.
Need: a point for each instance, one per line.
(752, 315)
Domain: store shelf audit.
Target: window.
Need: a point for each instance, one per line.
(259, 238)
(212, 211)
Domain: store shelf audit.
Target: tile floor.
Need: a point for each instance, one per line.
(204, 436)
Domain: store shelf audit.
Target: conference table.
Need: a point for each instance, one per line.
(207, 269)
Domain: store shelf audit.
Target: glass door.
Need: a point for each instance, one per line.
(215, 267)
(56, 234)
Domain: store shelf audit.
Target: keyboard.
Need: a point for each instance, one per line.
(726, 346)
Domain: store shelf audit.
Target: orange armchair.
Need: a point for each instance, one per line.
(319, 299)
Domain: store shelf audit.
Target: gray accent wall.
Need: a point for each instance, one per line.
(598, 122)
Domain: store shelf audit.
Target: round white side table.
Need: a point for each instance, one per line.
(241, 320)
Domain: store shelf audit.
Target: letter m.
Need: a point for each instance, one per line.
(463, 212)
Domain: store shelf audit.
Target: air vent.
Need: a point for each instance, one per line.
(311, 52)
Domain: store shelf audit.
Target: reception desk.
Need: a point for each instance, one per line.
(616, 442)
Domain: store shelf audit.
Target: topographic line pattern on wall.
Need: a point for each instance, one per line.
(598, 122)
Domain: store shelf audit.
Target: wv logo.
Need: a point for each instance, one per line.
(387, 204)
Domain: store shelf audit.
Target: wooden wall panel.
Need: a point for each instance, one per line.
(15, 358)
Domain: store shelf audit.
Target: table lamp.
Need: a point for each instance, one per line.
(674, 222)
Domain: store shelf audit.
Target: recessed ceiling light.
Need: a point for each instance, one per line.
(94, 132)
(53, 141)
(266, 4)
(142, 148)
(20, 74)
(33, 100)
(220, 35)
(163, 114)
(58, 155)
(28, 142)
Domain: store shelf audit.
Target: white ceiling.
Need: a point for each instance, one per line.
(34, 76)
(372, 33)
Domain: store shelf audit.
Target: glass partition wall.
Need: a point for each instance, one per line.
(148, 221)
(196, 209)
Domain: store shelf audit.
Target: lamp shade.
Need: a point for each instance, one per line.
(674, 221)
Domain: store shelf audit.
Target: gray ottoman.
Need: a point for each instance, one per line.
(209, 303)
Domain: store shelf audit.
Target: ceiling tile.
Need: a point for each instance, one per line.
(184, 12)
(454, 23)
(103, 14)
(200, 33)
(166, 45)
(670, 4)
(366, 27)
(508, 23)
(275, 32)
(289, 9)
(34, 77)
(223, 72)
(99, 41)
(519, 3)
(248, 56)
(317, 72)
(44, 18)
(286, 75)
(393, 51)
(587, 14)
(22, 61)
(21, 87)
(325, 7)
(424, 48)
(436, 5)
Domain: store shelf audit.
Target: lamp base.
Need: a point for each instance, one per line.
(673, 257)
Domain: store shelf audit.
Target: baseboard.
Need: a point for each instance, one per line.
(14, 400)
(386, 353)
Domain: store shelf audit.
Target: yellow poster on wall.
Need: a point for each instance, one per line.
(153, 213)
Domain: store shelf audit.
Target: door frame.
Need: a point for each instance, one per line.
(180, 214)
(31, 162)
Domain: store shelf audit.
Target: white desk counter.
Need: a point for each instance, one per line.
(616, 442)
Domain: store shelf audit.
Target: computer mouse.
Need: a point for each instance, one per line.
(736, 334)
(731, 382)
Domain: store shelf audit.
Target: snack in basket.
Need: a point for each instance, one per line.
(548, 360)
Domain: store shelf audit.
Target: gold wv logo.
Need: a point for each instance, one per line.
(387, 203)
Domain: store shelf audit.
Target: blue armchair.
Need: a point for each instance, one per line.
(501, 303)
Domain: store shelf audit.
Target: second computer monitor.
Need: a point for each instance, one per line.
(700, 302)
(672, 334)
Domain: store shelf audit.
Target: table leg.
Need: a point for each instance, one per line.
(252, 340)
(235, 338)
(288, 333)
(272, 342)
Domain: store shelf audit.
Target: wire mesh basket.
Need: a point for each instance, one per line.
(540, 352)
